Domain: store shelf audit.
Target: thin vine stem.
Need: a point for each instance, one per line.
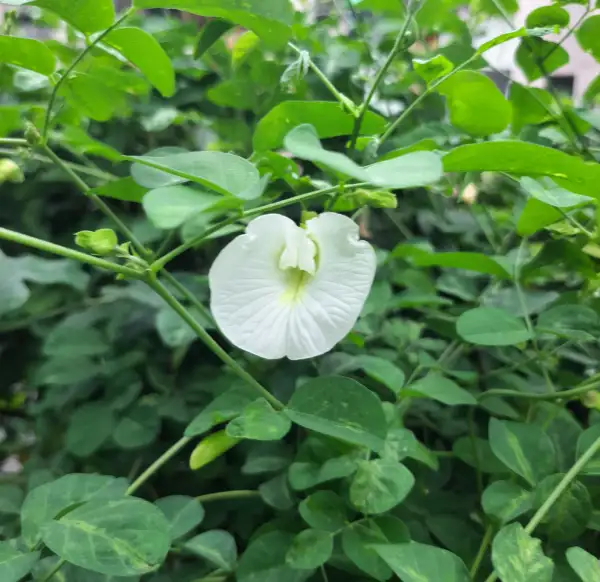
(48, 247)
(13, 141)
(396, 123)
(154, 467)
(485, 542)
(207, 339)
(162, 261)
(571, 394)
(54, 570)
(79, 168)
(381, 74)
(74, 64)
(346, 102)
(562, 486)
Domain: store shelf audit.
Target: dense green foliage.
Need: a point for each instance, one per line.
(452, 436)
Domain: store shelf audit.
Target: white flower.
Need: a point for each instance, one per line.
(282, 290)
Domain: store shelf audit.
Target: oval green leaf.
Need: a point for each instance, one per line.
(490, 326)
(341, 408)
(27, 53)
(117, 538)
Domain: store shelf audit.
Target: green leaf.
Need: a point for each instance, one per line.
(210, 33)
(531, 106)
(476, 262)
(568, 517)
(341, 408)
(505, 500)
(413, 169)
(92, 97)
(434, 68)
(587, 36)
(222, 172)
(477, 453)
(90, 426)
(259, 421)
(545, 190)
(586, 565)
(401, 443)
(518, 557)
(380, 485)
(223, 408)
(327, 117)
(143, 50)
(310, 549)
(476, 105)
(524, 448)
(265, 560)
(173, 331)
(502, 38)
(14, 564)
(358, 540)
(276, 493)
(490, 326)
(269, 19)
(547, 16)
(537, 215)
(123, 189)
(27, 53)
(85, 15)
(243, 48)
(119, 538)
(382, 370)
(46, 502)
(533, 52)
(573, 322)
(324, 510)
(138, 428)
(183, 514)
(170, 206)
(210, 448)
(526, 159)
(585, 441)
(216, 546)
(436, 387)
(415, 562)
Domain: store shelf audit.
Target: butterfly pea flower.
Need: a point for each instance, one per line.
(283, 290)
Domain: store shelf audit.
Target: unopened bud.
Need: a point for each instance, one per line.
(307, 215)
(591, 399)
(32, 135)
(100, 242)
(377, 198)
(469, 194)
(10, 172)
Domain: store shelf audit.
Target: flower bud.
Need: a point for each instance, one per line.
(469, 194)
(100, 242)
(10, 172)
(210, 448)
(32, 135)
(377, 198)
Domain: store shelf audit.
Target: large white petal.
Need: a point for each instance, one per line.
(247, 285)
(329, 305)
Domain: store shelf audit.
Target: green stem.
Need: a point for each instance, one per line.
(93, 172)
(74, 64)
(187, 294)
(162, 261)
(222, 495)
(13, 141)
(571, 394)
(97, 200)
(54, 570)
(48, 247)
(209, 342)
(485, 542)
(394, 125)
(345, 101)
(568, 478)
(168, 454)
(380, 75)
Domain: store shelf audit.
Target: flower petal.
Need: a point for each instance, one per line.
(247, 284)
(331, 302)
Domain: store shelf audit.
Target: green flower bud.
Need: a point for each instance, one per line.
(377, 198)
(32, 135)
(100, 242)
(210, 448)
(10, 172)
